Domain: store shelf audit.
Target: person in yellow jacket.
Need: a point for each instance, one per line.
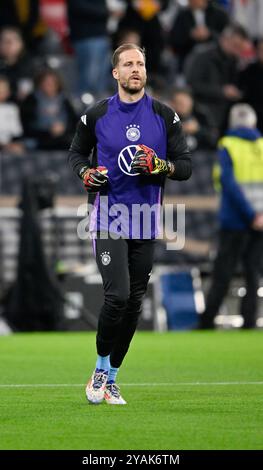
(240, 180)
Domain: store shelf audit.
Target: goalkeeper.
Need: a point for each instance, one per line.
(124, 148)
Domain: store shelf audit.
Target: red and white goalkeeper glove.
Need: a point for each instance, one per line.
(146, 162)
(94, 178)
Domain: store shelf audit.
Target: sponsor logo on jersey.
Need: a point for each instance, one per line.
(176, 118)
(105, 258)
(125, 158)
(84, 119)
(133, 132)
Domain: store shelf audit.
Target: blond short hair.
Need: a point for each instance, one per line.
(125, 47)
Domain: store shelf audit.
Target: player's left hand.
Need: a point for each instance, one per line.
(146, 162)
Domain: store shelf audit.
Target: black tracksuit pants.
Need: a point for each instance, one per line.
(125, 267)
(235, 246)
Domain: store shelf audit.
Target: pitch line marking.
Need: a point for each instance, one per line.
(156, 384)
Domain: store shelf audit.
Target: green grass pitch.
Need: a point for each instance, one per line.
(191, 390)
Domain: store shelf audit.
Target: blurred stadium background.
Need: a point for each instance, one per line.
(48, 277)
(40, 38)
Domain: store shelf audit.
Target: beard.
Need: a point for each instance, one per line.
(132, 89)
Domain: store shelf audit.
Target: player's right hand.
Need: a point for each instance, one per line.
(95, 178)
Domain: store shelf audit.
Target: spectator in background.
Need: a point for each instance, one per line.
(212, 73)
(142, 16)
(47, 115)
(128, 36)
(251, 83)
(11, 131)
(88, 32)
(25, 16)
(240, 179)
(194, 120)
(198, 23)
(15, 62)
(249, 14)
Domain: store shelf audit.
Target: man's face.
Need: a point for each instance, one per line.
(198, 4)
(130, 72)
(234, 45)
(49, 85)
(183, 104)
(11, 44)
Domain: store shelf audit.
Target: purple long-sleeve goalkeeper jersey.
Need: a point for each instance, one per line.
(107, 135)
